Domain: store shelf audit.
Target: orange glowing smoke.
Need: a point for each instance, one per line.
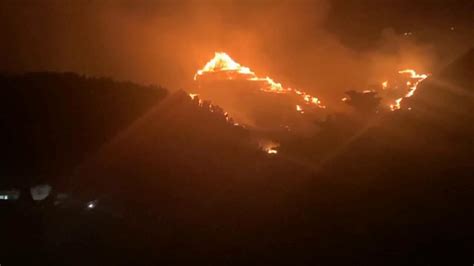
(222, 63)
(412, 86)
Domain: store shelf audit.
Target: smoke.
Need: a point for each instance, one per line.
(165, 42)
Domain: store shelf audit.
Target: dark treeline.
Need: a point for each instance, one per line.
(182, 185)
(49, 122)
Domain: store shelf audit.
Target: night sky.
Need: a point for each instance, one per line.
(302, 43)
(325, 132)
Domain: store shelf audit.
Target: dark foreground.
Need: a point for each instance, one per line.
(167, 181)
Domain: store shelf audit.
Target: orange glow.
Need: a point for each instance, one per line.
(272, 151)
(193, 95)
(223, 63)
(270, 147)
(412, 86)
(299, 109)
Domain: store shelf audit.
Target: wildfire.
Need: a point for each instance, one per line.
(412, 86)
(271, 151)
(224, 64)
(299, 109)
(193, 95)
(270, 147)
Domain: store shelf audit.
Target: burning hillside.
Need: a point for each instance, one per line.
(391, 92)
(411, 84)
(224, 67)
(252, 99)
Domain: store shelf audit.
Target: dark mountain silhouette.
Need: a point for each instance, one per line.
(405, 178)
(399, 183)
(178, 183)
(51, 121)
(189, 168)
(447, 97)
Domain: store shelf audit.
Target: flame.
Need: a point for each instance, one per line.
(223, 63)
(193, 95)
(271, 151)
(385, 84)
(412, 86)
(210, 107)
(270, 147)
(299, 109)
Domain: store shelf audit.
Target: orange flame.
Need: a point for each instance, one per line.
(272, 151)
(299, 109)
(270, 147)
(412, 86)
(195, 97)
(222, 62)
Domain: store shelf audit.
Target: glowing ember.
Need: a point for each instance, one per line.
(272, 151)
(385, 85)
(223, 63)
(299, 109)
(212, 108)
(269, 146)
(193, 95)
(412, 86)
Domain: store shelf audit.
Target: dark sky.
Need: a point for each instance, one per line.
(430, 18)
(322, 46)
